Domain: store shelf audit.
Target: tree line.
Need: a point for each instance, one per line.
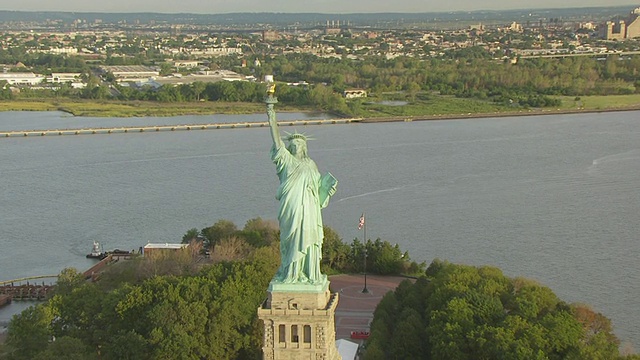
(225, 241)
(469, 73)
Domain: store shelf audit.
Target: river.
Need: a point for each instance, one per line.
(554, 198)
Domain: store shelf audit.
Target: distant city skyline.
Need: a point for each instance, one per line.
(289, 6)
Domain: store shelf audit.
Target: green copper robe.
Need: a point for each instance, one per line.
(301, 232)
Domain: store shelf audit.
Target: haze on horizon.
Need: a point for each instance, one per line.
(289, 6)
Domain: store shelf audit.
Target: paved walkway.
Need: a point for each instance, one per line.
(355, 308)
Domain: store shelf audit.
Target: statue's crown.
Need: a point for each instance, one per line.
(297, 136)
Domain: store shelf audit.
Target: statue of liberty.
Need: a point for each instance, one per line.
(302, 194)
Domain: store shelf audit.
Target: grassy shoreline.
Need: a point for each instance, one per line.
(529, 112)
(136, 108)
(438, 107)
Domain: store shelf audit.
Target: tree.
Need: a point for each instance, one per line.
(68, 279)
(600, 342)
(190, 235)
(66, 348)
(214, 234)
(29, 332)
(198, 89)
(412, 90)
(258, 232)
(211, 315)
(231, 248)
(407, 339)
(335, 253)
(478, 313)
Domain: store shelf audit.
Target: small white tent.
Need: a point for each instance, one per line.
(347, 349)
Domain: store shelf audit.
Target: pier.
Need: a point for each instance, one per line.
(158, 128)
(24, 289)
(93, 271)
(28, 291)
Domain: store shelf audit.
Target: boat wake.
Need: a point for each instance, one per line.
(632, 155)
(378, 192)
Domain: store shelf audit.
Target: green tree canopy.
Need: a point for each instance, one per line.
(211, 315)
(465, 312)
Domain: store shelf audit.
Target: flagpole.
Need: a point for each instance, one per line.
(364, 228)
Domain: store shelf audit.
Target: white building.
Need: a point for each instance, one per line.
(354, 93)
(72, 78)
(26, 78)
(165, 247)
(186, 64)
(64, 77)
(64, 50)
(131, 72)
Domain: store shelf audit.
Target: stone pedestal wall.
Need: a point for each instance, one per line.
(299, 325)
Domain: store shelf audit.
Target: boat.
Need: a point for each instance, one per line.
(97, 252)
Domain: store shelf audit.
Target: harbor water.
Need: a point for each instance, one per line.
(554, 198)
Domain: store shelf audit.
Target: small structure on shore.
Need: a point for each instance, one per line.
(151, 248)
(354, 93)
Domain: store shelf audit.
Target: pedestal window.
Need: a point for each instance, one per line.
(307, 334)
(294, 334)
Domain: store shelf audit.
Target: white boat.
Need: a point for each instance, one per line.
(97, 252)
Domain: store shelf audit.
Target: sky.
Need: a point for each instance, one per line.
(296, 6)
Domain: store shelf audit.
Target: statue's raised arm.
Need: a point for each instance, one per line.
(271, 113)
(275, 131)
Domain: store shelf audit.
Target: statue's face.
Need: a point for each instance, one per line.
(298, 147)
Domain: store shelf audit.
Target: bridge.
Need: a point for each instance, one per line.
(158, 128)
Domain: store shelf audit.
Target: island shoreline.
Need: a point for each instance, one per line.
(356, 119)
(495, 115)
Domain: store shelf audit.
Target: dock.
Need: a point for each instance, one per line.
(5, 300)
(159, 128)
(93, 272)
(28, 291)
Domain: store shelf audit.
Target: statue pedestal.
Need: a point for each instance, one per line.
(298, 296)
(299, 322)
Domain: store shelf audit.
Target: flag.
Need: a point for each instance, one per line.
(361, 223)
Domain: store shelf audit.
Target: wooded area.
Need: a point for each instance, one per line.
(177, 306)
(461, 312)
(467, 73)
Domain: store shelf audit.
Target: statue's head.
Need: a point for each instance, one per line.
(297, 145)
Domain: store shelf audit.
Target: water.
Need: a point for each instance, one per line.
(392, 102)
(553, 198)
